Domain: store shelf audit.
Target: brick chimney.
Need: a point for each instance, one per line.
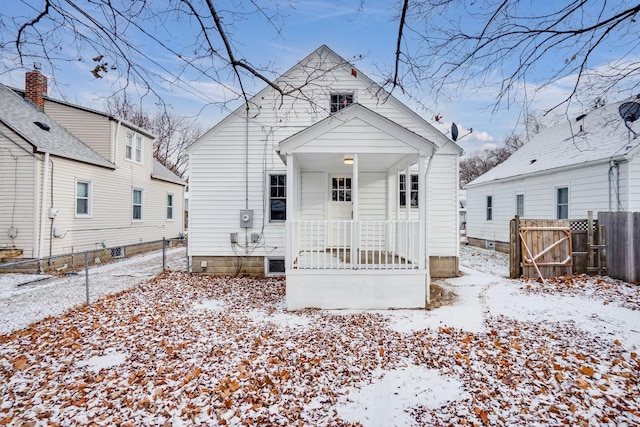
(35, 88)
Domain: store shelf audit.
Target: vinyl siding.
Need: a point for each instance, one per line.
(111, 208)
(588, 190)
(442, 189)
(19, 206)
(91, 128)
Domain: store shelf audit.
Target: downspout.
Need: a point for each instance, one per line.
(246, 160)
(43, 208)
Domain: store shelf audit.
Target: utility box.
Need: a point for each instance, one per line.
(246, 218)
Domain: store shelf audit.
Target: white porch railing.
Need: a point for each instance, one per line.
(342, 245)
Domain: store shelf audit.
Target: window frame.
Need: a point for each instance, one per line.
(280, 186)
(518, 212)
(340, 100)
(414, 193)
(89, 199)
(558, 205)
(133, 205)
(133, 147)
(489, 206)
(267, 265)
(170, 206)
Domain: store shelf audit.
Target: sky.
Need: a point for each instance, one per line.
(362, 29)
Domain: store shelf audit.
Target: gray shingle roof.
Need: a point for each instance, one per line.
(162, 173)
(20, 116)
(597, 136)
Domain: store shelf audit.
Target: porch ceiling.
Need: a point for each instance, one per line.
(334, 162)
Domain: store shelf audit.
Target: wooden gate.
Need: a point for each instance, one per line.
(550, 248)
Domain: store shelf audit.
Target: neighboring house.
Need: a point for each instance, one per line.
(588, 163)
(74, 179)
(299, 184)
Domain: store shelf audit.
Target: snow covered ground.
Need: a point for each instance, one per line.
(27, 298)
(189, 350)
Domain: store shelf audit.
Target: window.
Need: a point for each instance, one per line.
(277, 197)
(340, 101)
(137, 205)
(169, 206)
(489, 208)
(341, 189)
(83, 198)
(413, 191)
(275, 266)
(133, 147)
(138, 149)
(562, 203)
(520, 204)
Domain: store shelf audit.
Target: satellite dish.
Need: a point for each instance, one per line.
(454, 131)
(630, 112)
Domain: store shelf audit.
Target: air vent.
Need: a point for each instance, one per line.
(42, 126)
(117, 252)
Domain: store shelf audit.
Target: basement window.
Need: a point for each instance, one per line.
(275, 266)
(117, 252)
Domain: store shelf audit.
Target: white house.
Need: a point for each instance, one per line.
(75, 179)
(299, 184)
(587, 163)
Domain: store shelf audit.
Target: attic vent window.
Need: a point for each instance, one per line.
(340, 101)
(42, 126)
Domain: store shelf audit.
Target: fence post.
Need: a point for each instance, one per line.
(86, 274)
(514, 248)
(164, 254)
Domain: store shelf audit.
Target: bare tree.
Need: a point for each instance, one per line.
(502, 44)
(442, 46)
(475, 165)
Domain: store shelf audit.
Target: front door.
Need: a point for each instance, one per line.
(340, 211)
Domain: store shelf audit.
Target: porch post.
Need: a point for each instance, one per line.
(291, 196)
(422, 207)
(355, 221)
(407, 193)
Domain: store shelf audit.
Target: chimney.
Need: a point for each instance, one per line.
(35, 87)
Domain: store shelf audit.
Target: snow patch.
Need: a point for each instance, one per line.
(109, 360)
(387, 401)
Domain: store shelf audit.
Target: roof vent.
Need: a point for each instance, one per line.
(580, 117)
(42, 126)
(533, 161)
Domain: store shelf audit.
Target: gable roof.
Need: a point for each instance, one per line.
(162, 173)
(433, 133)
(358, 111)
(599, 136)
(21, 116)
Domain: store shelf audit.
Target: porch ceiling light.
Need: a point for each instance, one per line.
(348, 160)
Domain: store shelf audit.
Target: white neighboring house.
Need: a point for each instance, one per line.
(75, 179)
(589, 163)
(297, 185)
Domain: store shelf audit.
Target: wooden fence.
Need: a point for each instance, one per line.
(550, 248)
(623, 244)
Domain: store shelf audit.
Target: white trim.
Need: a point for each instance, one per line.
(133, 190)
(173, 207)
(89, 213)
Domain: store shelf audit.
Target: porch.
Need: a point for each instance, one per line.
(356, 224)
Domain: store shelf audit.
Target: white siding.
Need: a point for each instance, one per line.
(442, 188)
(91, 128)
(18, 175)
(373, 196)
(313, 196)
(588, 190)
(111, 207)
